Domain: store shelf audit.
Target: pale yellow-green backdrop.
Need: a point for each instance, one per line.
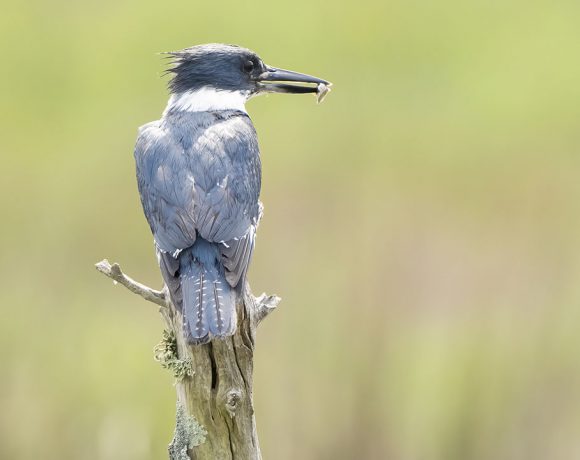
(422, 226)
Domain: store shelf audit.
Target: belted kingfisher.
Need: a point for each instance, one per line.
(199, 176)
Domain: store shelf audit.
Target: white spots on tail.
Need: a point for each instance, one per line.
(209, 305)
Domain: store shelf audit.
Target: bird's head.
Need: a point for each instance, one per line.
(233, 71)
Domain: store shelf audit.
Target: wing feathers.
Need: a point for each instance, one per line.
(236, 255)
(199, 176)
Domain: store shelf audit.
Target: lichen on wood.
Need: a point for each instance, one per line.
(165, 353)
(188, 434)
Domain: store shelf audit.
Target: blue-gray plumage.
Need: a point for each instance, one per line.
(199, 176)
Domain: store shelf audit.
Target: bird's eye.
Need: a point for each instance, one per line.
(248, 66)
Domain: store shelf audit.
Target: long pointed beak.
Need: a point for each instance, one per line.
(281, 75)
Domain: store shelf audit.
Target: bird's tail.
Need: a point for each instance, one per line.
(208, 302)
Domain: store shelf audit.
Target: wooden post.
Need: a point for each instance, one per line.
(215, 412)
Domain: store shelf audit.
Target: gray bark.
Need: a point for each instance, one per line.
(215, 412)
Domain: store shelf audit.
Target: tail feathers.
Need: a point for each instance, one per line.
(209, 303)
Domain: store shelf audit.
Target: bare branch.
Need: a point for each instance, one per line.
(114, 272)
(265, 304)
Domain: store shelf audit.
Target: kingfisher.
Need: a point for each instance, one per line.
(199, 178)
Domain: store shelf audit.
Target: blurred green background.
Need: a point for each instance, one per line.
(422, 227)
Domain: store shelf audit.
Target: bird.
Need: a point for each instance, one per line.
(199, 178)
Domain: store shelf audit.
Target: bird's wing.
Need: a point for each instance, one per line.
(226, 165)
(236, 255)
(206, 185)
(162, 177)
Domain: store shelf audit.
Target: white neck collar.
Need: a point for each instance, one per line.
(207, 99)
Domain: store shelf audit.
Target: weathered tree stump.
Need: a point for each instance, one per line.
(215, 412)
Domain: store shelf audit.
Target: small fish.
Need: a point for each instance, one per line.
(321, 91)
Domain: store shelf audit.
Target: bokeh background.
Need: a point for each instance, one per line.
(422, 226)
